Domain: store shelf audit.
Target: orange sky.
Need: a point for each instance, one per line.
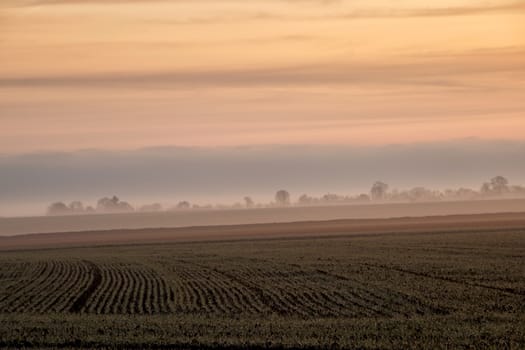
(127, 74)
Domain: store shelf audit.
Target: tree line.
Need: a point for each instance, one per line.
(380, 192)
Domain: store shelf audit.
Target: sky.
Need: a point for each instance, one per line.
(123, 77)
(108, 74)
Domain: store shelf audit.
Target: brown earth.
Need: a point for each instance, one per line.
(222, 217)
(294, 230)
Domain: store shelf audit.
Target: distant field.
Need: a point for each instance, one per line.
(461, 287)
(205, 217)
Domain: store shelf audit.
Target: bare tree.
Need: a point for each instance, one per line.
(485, 188)
(184, 205)
(363, 198)
(248, 201)
(332, 198)
(113, 205)
(58, 208)
(282, 198)
(305, 200)
(499, 184)
(379, 190)
(518, 190)
(76, 207)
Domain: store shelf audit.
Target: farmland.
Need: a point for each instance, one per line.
(216, 217)
(460, 288)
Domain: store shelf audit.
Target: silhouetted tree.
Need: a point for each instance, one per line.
(184, 205)
(332, 198)
(248, 201)
(466, 193)
(305, 200)
(499, 184)
(58, 208)
(282, 198)
(420, 194)
(363, 198)
(485, 188)
(113, 205)
(76, 207)
(519, 190)
(379, 190)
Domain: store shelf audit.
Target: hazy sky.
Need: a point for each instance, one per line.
(227, 174)
(110, 74)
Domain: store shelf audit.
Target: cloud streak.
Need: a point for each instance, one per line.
(433, 12)
(31, 3)
(363, 13)
(442, 73)
(358, 14)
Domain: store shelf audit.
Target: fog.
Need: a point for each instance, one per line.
(30, 182)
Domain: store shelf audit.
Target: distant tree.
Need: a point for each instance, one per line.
(248, 201)
(463, 193)
(113, 205)
(486, 188)
(184, 205)
(519, 190)
(363, 198)
(282, 198)
(58, 208)
(419, 194)
(305, 200)
(125, 206)
(331, 198)
(379, 190)
(107, 204)
(499, 184)
(76, 207)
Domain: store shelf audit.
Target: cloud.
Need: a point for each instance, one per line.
(359, 13)
(363, 13)
(432, 12)
(445, 72)
(30, 3)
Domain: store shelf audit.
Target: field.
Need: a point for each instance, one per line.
(215, 217)
(460, 285)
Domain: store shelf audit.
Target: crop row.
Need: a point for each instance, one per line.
(45, 286)
(129, 289)
(219, 287)
(82, 286)
(265, 288)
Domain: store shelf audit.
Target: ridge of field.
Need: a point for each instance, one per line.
(452, 223)
(206, 217)
(461, 289)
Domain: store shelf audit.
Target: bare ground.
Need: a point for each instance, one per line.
(293, 230)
